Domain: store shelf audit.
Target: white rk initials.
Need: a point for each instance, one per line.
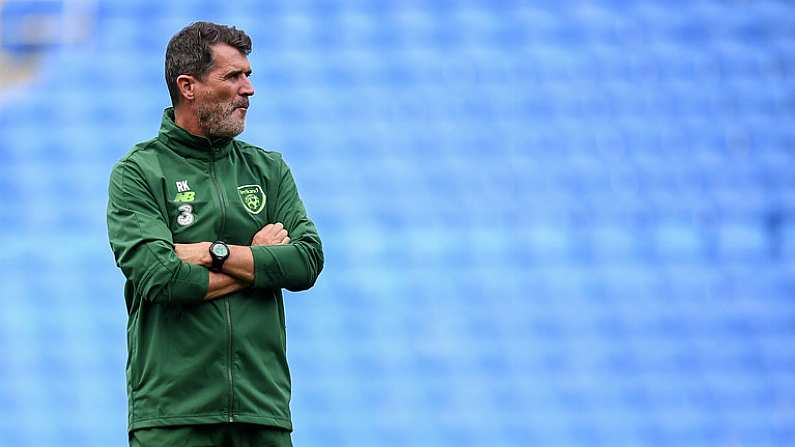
(182, 186)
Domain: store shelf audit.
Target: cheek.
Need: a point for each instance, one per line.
(210, 95)
(202, 97)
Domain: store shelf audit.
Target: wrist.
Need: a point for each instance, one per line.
(240, 263)
(207, 259)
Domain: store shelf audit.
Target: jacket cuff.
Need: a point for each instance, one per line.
(191, 284)
(266, 267)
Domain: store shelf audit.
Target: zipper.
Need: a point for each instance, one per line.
(227, 304)
(221, 195)
(229, 367)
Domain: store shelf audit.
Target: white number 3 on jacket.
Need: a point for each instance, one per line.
(185, 215)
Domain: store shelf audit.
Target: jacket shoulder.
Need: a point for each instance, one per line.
(133, 166)
(140, 158)
(141, 151)
(258, 155)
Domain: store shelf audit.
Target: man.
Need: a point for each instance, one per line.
(208, 230)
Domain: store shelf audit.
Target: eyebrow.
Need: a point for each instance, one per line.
(231, 73)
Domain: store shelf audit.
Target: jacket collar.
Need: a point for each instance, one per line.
(188, 145)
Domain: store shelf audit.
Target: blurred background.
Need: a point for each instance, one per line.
(554, 223)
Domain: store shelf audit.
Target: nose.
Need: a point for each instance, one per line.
(247, 89)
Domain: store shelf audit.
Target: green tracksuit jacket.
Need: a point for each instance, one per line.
(192, 361)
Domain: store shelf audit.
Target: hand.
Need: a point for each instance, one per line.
(198, 253)
(271, 234)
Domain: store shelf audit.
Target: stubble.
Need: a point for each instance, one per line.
(217, 120)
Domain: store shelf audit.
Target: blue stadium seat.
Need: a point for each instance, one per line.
(551, 224)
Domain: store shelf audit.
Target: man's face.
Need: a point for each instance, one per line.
(222, 96)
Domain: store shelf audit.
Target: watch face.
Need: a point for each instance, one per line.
(220, 250)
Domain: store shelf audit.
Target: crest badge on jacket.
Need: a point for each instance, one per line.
(253, 198)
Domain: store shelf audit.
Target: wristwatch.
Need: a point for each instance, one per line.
(219, 252)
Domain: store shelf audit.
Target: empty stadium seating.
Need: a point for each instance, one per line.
(545, 223)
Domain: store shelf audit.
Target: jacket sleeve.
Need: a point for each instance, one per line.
(143, 245)
(294, 266)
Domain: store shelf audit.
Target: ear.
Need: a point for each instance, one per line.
(187, 86)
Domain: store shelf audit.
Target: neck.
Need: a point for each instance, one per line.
(184, 118)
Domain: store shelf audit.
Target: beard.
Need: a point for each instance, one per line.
(217, 119)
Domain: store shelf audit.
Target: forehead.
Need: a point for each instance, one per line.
(227, 58)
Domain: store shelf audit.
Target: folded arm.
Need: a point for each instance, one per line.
(294, 266)
(221, 284)
(144, 248)
(240, 263)
(287, 254)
